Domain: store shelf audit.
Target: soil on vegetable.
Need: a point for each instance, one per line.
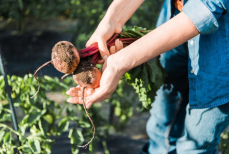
(83, 71)
(63, 51)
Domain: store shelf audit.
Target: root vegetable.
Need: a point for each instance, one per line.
(65, 57)
(88, 76)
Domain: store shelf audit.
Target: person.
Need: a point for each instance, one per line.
(194, 47)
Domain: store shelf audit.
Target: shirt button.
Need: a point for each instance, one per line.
(191, 42)
(192, 71)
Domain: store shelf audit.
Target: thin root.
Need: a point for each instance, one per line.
(45, 64)
(93, 126)
(64, 76)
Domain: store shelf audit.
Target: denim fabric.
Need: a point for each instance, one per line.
(208, 52)
(195, 131)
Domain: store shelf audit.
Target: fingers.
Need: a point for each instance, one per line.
(115, 48)
(103, 48)
(97, 96)
(77, 91)
(77, 100)
(104, 66)
(108, 84)
(112, 50)
(118, 45)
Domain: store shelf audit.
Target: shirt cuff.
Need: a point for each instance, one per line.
(201, 16)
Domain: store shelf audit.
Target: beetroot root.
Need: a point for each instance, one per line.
(65, 57)
(87, 76)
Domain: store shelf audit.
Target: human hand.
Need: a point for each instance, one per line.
(76, 92)
(108, 84)
(103, 32)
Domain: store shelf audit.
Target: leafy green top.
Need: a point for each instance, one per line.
(147, 78)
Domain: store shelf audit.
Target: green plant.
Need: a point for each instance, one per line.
(43, 117)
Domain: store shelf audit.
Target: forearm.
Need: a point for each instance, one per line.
(121, 10)
(169, 35)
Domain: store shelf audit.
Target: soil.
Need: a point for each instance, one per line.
(84, 71)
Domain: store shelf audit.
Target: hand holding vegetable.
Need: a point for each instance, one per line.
(104, 31)
(76, 91)
(116, 16)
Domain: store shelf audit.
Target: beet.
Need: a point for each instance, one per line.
(65, 57)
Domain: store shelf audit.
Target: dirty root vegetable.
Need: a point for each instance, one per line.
(87, 76)
(65, 57)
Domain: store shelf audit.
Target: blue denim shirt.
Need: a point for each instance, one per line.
(208, 52)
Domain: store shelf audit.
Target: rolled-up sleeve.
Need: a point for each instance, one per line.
(204, 14)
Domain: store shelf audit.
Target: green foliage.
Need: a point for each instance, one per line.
(147, 78)
(123, 100)
(42, 117)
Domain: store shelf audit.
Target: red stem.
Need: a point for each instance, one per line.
(96, 58)
(94, 49)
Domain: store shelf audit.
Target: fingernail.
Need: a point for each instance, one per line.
(69, 100)
(67, 92)
(105, 57)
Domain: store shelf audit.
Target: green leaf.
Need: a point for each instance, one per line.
(76, 136)
(84, 124)
(63, 125)
(35, 116)
(23, 128)
(2, 133)
(5, 116)
(75, 151)
(35, 145)
(8, 138)
(44, 126)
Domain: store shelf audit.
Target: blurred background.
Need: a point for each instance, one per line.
(28, 31)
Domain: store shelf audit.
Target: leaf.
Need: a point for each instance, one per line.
(35, 145)
(76, 136)
(44, 126)
(23, 128)
(63, 125)
(5, 116)
(8, 138)
(35, 116)
(84, 124)
(2, 132)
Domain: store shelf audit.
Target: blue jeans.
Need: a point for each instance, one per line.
(194, 131)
